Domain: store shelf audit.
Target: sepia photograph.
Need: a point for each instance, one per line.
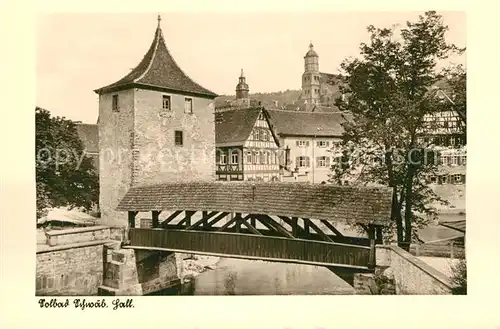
(216, 154)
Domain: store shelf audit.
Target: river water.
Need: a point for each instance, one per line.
(250, 277)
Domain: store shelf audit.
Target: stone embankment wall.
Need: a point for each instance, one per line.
(71, 262)
(90, 261)
(401, 273)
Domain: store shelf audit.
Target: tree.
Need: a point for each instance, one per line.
(388, 96)
(64, 175)
(456, 79)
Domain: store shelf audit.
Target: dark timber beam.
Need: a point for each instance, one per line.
(306, 227)
(131, 218)
(187, 218)
(300, 231)
(250, 226)
(237, 223)
(233, 220)
(204, 220)
(371, 236)
(155, 218)
(331, 227)
(170, 218)
(318, 230)
(217, 219)
(295, 226)
(277, 226)
(378, 235)
(265, 223)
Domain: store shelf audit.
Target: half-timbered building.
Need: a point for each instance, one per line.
(246, 147)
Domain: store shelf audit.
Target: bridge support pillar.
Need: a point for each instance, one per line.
(139, 272)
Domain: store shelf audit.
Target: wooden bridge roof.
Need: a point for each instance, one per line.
(362, 205)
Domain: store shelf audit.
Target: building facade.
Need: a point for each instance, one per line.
(306, 140)
(445, 132)
(155, 125)
(246, 147)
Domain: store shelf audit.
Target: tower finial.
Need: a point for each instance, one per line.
(159, 20)
(242, 73)
(311, 45)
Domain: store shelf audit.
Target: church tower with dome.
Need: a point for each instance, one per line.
(311, 78)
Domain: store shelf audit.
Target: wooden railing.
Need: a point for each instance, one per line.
(252, 246)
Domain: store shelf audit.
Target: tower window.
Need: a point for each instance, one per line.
(166, 103)
(115, 103)
(179, 141)
(188, 105)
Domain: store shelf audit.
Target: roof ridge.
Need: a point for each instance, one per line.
(175, 63)
(308, 112)
(156, 41)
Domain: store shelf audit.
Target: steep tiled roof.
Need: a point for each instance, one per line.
(235, 126)
(158, 69)
(329, 202)
(331, 79)
(299, 123)
(89, 135)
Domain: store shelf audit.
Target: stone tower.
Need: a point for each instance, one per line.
(311, 77)
(242, 87)
(155, 125)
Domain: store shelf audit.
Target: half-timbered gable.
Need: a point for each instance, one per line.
(246, 147)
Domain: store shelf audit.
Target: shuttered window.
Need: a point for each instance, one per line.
(302, 162)
(322, 144)
(322, 162)
(303, 143)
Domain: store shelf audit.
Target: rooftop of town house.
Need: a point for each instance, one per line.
(159, 71)
(299, 123)
(235, 126)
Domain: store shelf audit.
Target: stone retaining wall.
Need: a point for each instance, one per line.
(71, 263)
(412, 276)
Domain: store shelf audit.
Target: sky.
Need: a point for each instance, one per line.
(78, 53)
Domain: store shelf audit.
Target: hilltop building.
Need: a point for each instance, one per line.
(242, 99)
(247, 148)
(319, 89)
(155, 125)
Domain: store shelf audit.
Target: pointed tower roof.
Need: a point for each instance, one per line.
(158, 71)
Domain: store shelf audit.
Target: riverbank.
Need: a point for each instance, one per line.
(194, 265)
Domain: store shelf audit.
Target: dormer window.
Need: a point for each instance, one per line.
(166, 103)
(115, 103)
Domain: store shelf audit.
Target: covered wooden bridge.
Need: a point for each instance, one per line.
(287, 222)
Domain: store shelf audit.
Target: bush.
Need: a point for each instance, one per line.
(459, 277)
